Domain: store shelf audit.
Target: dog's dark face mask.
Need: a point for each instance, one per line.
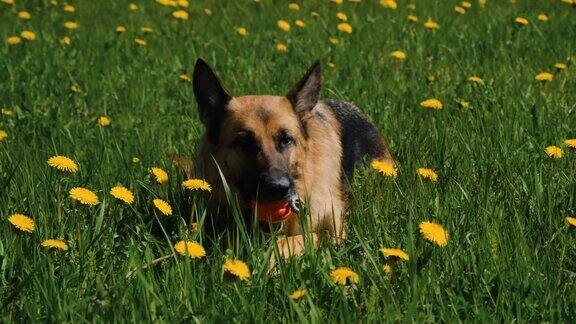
(259, 141)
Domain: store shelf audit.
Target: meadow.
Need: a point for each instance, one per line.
(503, 90)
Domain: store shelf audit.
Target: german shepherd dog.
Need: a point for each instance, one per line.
(277, 151)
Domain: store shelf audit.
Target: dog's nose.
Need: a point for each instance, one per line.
(276, 185)
(281, 184)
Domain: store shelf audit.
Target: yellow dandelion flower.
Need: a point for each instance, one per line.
(560, 66)
(3, 135)
(28, 35)
(284, 25)
(411, 6)
(281, 47)
(476, 79)
(334, 40)
(207, 12)
(430, 79)
(542, 17)
(564, 1)
(75, 88)
(70, 25)
(133, 6)
(84, 196)
(339, 2)
(571, 221)
(466, 4)
(571, 143)
(123, 194)
(299, 23)
(104, 121)
(345, 28)
(389, 4)
(386, 167)
(460, 10)
(331, 65)
(14, 40)
(167, 3)
(63, 163)
(387, 268)
(185, 77)
(8, 2)
(344, 275)
(22, 222)
(521, 21)
(180, 14)
(463, 104)
(544, 77)
(183, 3)
(65, 40)
(160, 175)
(242, 31)
(432, 103)
(163, 206)
(190, 248)
(342, 16)
(196, 184)
(398, 55)
(24, 15)
(314, 14)
(237, 268)
(554, 152)
(55, 244)
(294, 6)
(120, 29)
(140, 42)
(412, 18)
(7, 112)
(395, 253)
(69, 8)
(146, 30)
(431, 24)
(434, 233)
(427, 174)
(135, 159)
(482, 3)
(297, 294)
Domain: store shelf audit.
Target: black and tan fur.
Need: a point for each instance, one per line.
(272, 147)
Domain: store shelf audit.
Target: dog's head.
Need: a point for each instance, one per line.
(258, 141)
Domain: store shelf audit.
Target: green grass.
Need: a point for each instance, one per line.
(510, 256)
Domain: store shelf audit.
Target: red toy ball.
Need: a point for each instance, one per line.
(272, 212)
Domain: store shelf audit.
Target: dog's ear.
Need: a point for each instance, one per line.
(304, 95)
(211, 96)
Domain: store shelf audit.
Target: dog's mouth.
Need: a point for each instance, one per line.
(275, 211)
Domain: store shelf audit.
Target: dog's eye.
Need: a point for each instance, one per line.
(246, 141)
(285, 140)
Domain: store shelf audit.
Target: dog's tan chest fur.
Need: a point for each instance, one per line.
(320, 184)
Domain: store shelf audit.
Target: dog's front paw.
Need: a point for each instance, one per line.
(291, 246)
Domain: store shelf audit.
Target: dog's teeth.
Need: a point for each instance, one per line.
(295, 204)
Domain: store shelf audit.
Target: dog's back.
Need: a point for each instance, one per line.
(358, 137)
